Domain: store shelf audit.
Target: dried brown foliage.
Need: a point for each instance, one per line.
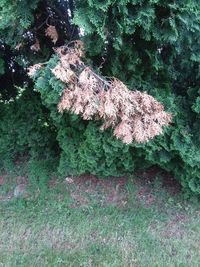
(52, 33)
(132, 115)
(36, 46)
(32, 69)
(19, 46)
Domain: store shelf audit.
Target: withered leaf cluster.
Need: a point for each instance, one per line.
(133, 115)
(52, 33)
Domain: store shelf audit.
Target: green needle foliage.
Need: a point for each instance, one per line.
(151, 46)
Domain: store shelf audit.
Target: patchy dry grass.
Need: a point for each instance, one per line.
(83, 221)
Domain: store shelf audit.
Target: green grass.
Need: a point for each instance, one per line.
(89, 224)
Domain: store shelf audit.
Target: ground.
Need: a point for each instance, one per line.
(84, 221)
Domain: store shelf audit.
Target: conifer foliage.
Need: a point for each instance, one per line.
(151, 47)
(133, 115)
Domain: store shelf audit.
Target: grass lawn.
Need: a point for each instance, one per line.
(88, 222)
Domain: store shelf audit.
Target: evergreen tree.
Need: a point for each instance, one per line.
(152, 46)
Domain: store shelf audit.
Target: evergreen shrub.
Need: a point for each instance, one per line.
(152, 46)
